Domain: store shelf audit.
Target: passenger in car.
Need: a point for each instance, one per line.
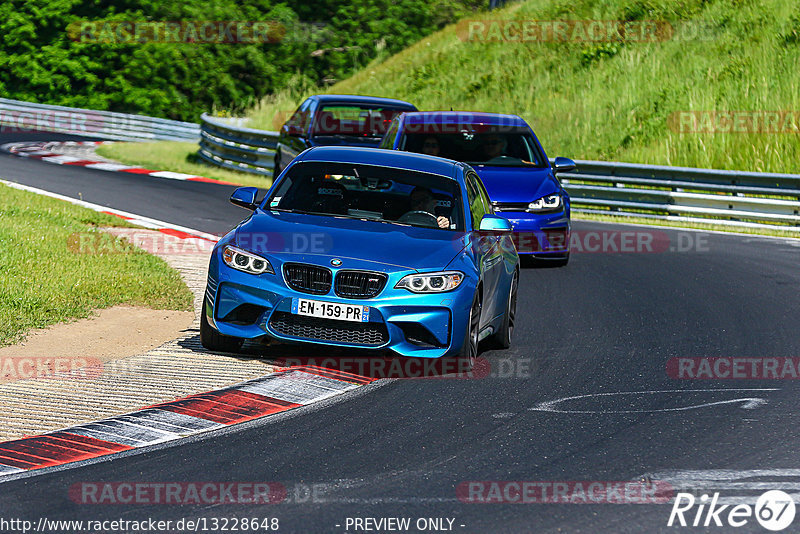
(430, 146)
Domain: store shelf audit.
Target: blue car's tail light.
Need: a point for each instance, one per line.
(431, 282)
(247, 262)
(548, 203)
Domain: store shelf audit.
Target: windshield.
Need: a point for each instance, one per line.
(502, 148)
(388, 195)
(353, 120)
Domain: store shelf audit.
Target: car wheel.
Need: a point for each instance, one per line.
(502, 338)
(213, 340)
(469, 350)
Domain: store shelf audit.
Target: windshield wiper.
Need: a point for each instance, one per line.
(290, 210)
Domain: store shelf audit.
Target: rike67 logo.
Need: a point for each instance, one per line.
(774, 510)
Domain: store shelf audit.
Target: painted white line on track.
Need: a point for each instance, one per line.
(141, 220)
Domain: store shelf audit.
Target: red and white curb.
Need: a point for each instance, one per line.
(44, 151)
(291, 387)
(278, 392)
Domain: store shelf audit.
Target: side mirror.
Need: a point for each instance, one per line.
(493, 223)
(563, 165)
(245, 197)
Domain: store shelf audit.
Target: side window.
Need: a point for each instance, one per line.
(388, 139)
(487, 202)
(477, 206)
(298, 122)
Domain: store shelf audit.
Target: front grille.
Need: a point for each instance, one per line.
(510, 206)
(307, 278)
(312, 328)
(358, 284)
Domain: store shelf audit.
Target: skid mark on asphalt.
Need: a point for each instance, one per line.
(743, 486)
(748, 403)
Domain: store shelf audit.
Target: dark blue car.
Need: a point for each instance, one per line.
(325, 120)
(366, 248)
(512, 164)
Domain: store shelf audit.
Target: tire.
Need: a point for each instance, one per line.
(469, 350)
(213, 340)
(502, 338)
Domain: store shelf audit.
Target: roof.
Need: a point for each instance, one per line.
(378, 156)
(464, 118)
(360, 99)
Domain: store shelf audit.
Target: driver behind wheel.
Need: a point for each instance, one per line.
(423, 209)
(493, 146)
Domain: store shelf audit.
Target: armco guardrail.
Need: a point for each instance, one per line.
(224, 142)
(683, 193)
(629, 189)
(26, 116)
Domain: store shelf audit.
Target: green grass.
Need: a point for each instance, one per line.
(611, 101)
(176, 156)
(43, 282)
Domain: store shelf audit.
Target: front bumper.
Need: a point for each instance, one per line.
(418, 325)
(544, 235)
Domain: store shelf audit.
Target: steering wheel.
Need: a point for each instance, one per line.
(420, 217)
(500, 159)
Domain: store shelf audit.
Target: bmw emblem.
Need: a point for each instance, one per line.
(336, 262)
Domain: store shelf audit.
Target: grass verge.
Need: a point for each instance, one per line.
(43, 282)
(176, 156)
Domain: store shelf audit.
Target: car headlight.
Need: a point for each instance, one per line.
(548, 203)
(247, 262)
(431, 282)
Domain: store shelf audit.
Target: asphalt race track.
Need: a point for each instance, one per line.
(606, 324)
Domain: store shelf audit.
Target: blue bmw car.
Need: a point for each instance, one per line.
(366, 248)
(512, 164)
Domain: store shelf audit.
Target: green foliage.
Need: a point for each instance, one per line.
(616, 100)
(40, 61)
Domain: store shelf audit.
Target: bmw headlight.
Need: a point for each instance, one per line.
(431, 282)
(548, 203)
(247, 262)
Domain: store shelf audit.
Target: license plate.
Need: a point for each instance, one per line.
(330, 310)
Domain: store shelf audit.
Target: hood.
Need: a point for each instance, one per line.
(359, 244)
(370, 142)
(515, 184)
